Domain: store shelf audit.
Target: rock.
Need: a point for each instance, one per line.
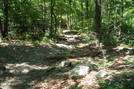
(2, 69)
(27, 50)
(49, 69)
(1, 72)
(53, 57)
(58, 69)
(125, 49)
(80, 70)
(119, 52)
(65, 63)
(101, 74)
(88, 58)
(131, 51)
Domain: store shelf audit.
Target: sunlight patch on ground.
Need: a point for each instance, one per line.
(11, 82)
(89, 79)
(64, 31)
(4, 44)
(71, 36)
(23, 68)
(65, 46)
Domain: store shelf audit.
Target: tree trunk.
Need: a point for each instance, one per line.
(51, 27)
(98, 21)
(5, 32)
(82, 17)
(87, 10)
(68, 17)
(1, 28)
(68, 21)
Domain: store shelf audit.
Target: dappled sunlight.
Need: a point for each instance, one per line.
(65, 46)
(71, 36)
(23, 68)
(89, 80)
(40, 66)
(11, 82)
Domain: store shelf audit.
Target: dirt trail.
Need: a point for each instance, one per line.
(27, 68)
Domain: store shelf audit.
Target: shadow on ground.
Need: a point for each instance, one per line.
(27, 68)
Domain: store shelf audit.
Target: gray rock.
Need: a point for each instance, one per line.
(119, 52)
(131, 51)
(58, 68)
(1, 72)
(80, 70)
(49, 69)
(65, 63)
(101, 74)
(125, 49)
(88, 58)
(2, 69)
(27, 50)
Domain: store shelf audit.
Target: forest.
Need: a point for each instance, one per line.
(42, 43)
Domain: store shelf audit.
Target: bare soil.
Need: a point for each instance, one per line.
(26, 64)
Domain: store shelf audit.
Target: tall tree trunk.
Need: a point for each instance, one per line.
(44, 15)
(68, 17)
(5, 32)
(55, 28)
(68, 21)
(51, 27)
(87, 10)
(122, 14)
(98, 21)
(82, 17)
(60, 17)
(1, 28)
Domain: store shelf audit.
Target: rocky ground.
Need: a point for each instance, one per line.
(31, 66)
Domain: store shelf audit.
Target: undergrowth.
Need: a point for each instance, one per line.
(4, 52)
(104, 62)
(122, 81)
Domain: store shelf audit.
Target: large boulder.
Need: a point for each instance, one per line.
(80, 70)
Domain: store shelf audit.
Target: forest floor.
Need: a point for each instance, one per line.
(26, 64)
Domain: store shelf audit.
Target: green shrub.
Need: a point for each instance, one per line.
(130, 62)
(117, 84)
(64, 53)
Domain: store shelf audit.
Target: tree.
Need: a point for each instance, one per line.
(98, 21)
(43, 19)
(4, 23)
